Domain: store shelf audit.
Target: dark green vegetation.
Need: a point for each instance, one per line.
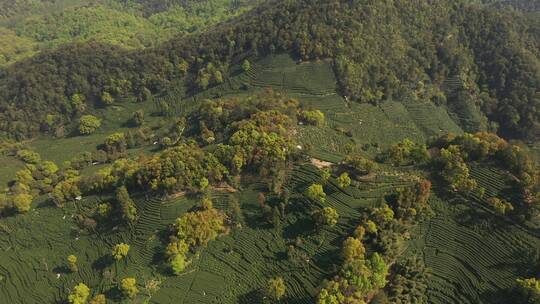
(258, 161)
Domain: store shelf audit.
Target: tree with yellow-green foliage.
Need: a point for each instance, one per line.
(327, 216)
(359, 232)
(103, 210)
(127, 206)
(107, 99)
(22, 202)
(88, 124)
(176, 253)
(199, 227)
(353, 249)
(275, 289)
(315, 192)
(72, 263)
(246, 65)
(501, 206)
(325, 174)
(383, 214)
(344, 180)
(314, 117)
(370, 226)
(129, 289)
(178, 264)
(79, 294)
(120, 251)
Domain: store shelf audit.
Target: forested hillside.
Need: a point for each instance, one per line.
(245, 151)
(449, 52)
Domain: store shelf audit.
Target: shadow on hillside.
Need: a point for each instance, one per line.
(502, 296)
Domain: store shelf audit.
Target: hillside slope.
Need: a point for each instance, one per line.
(259, 161)
(465, 56)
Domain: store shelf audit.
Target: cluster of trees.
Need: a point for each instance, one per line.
(405, 153)
(454, 152)
(39, 177)
(185, 167)
(253, 133)
(257, 138)
(360, 275)
(410, 201)
(360, 165)
(409, 282)
(127, 287)
(192, 230)
(80, 294)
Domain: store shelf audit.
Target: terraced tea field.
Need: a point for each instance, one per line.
(34, 248)
(474, 254)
